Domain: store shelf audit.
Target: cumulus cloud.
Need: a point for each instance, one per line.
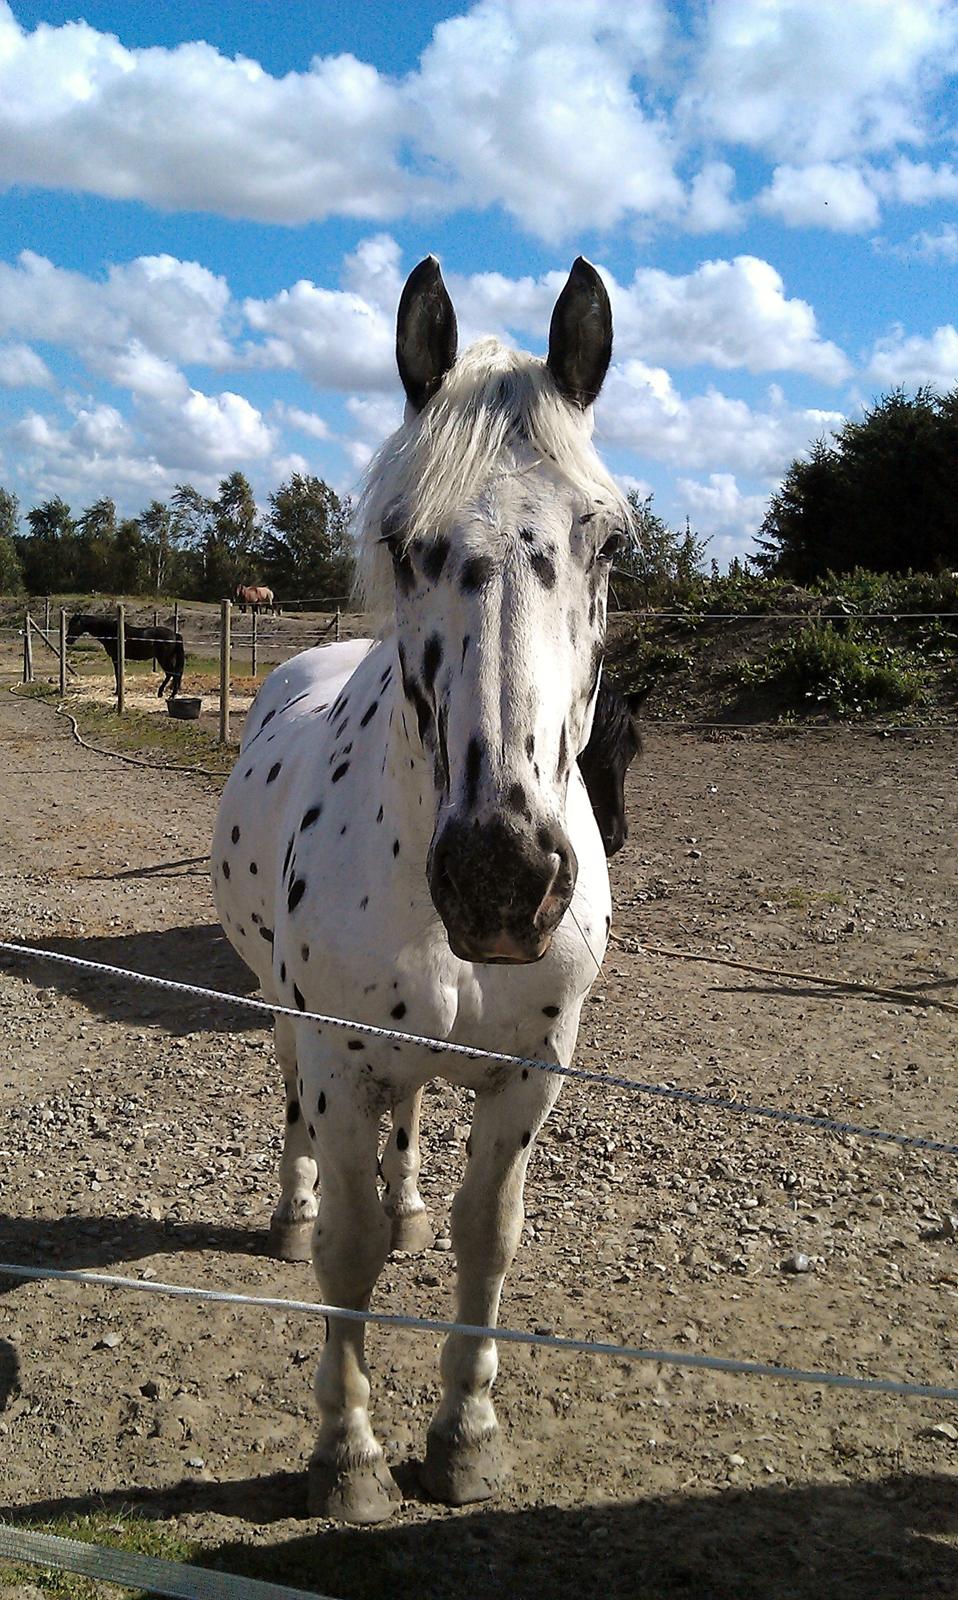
(911, 360)
(809, 83)
(720, 506)
(641, 409)
(335, 337)
(724, 314)
(22, 368)
(938, 244)
(174, 308)
(833, 195)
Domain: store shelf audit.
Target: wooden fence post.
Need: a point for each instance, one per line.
(176, 616)
(156, 618)
(46, 614)
(252, 648)
(27, 650)
(63, 650)
(337, 625)
(225, 609)
(120, 660)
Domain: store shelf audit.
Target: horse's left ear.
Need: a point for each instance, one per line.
(637, 697)
(580, 335)
(426, 333)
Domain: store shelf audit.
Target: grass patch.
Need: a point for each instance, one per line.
(799, 899)
(111, 1529)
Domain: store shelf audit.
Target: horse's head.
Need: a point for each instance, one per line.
(75, 626)
(489, 526)
(613, 745)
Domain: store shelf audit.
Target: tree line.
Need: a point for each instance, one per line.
(192, 546)
(879, 497)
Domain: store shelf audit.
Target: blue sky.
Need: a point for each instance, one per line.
(207, 213)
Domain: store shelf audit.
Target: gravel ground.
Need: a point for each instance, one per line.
(646, 1222)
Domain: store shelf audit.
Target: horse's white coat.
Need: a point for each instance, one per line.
(467, 715)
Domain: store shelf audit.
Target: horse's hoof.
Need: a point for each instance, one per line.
(291, 1241)
(412, 1232)
(361, 1494)
(457, 1473)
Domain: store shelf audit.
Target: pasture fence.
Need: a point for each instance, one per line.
(273, 639)
(904, 1388)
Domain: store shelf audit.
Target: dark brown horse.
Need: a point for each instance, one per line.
(140, 644)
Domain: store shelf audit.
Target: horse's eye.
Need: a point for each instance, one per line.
(613, 547)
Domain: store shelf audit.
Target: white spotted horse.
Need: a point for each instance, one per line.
(304, 686)
(422, 855)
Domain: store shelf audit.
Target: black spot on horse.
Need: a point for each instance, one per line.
(298, 997)
(289, 851)
(304, 952)
(550, 1011)
(235, 834)
(267, 934)
(226, 869)
(282, 972)
(292, 1111)
(362, 906)
(544, 568)
(431, 660)
(475, 753)
(399, 1010)
(530, 745)
(465, 647)
(525, 1138)
(268, 718)
(368, 714)
(355, 1044)
(379, 814)
(476, 573)
(309, 817)
(274, 771)
(395, 847)
(435, 558)
(254, 869)
(516, 799)
(321, 1104)
(340, 771)
(527, 535)
(296, 894)
(402, 1140)
(563, 760)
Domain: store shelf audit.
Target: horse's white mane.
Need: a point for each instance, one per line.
(438, 462)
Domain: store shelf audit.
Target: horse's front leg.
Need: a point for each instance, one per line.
(402, 1203)
(463, 1454)
(291, 1225)
(348, 1475)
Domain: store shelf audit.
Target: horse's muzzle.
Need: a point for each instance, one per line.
(500, 894)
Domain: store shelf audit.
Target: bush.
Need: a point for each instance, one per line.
(834, 671)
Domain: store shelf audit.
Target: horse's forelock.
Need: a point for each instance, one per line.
(494, 403)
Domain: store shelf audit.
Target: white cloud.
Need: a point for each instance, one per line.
(711, 208)
(720, 506)
(831, 195)
(915, 183)
(22, 368)
(640, 409)
(334, 337)
(938, 245)
(809, 82)
(725, 314)
(206, 433)
(374, 417)
(305, 421)
(174, 308)
(535, 107)
(911, 360)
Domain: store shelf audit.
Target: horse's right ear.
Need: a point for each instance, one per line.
(426, 333)
(580, 335)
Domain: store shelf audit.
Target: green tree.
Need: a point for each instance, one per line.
(96, 549)
(165, 533)
(659, 565)
(881, 497)
(11, 572)
(307, 551)
(48, 553)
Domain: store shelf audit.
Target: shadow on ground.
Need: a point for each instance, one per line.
(199, 953)
(98, 1243)
(878, 1540)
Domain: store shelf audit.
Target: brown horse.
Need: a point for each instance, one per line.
(257, 597)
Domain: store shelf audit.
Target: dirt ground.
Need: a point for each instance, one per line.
(120, 1149)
